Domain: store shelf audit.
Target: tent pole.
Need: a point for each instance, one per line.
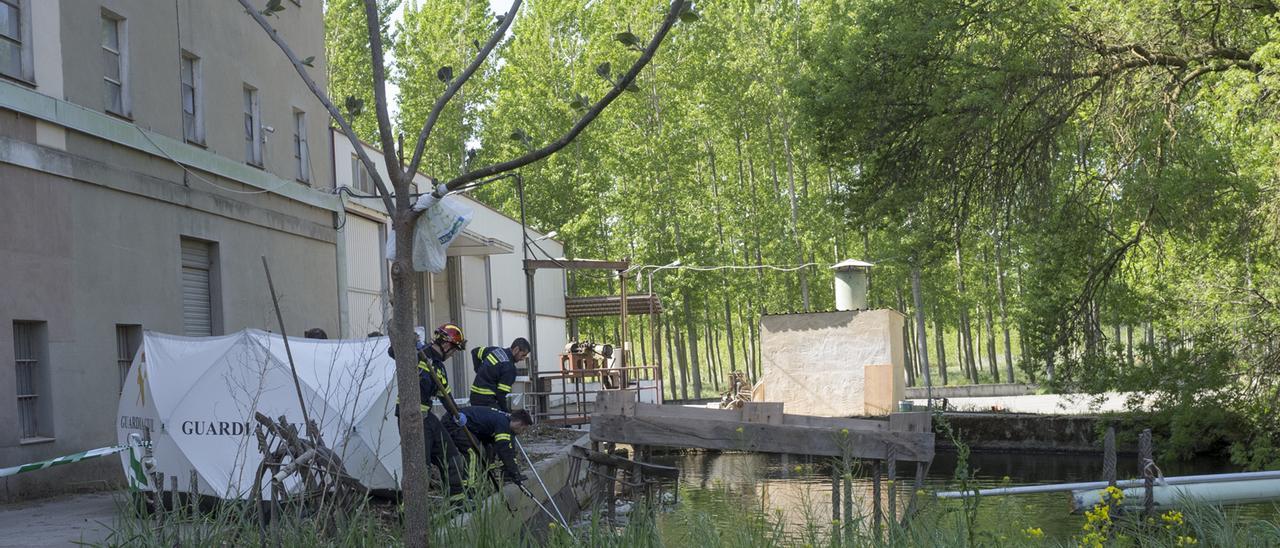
(306, 420)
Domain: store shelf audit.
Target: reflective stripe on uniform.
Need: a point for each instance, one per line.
(425, 408)
(492, 359)
(502, 437)
(481, 390)
(504, 387)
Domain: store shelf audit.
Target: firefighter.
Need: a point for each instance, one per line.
(496, 430)
(434, 383)
(495, 369)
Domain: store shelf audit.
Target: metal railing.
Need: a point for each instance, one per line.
(575, 403)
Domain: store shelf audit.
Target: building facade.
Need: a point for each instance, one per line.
(151, 154)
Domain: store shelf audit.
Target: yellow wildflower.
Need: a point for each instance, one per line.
(1171, 518)
(1033, 533)
(1187, 541)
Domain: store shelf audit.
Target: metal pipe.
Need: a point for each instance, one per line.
(488, 297)
(531, 310)
(1125, 484)
(542, 507)
(538, 476)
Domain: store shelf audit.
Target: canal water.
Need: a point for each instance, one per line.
(796, 491)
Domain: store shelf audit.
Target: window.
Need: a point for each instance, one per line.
(29, 353)
(128, 337)
(252, 128)
(15, 39)
(301, 154)
(115, 64)
(360, 176)
(199, 288)
(192, 96)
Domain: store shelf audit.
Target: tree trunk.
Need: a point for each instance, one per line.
(695, 365)
(713, 358)
(907, 341)
(746, 348)
(991, 347)
(1129, 343)
(965, 343)
(413, 449)
(675, 347)
(752, 338)
(922, 338)
(728, 337)
(1004, 315)
(938, 337)
(795, 217)
(640, 328)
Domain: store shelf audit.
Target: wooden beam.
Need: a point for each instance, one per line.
(611, 460)
(759, 437)
(576, 264)
(762, 412)
(680, 412)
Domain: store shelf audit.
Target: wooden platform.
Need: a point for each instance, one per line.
(760, 427)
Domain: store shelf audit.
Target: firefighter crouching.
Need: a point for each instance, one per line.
(495, 430)
(495, 369)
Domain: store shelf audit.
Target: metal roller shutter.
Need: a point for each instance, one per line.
(197, 307)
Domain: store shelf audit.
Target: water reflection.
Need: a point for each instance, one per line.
(797, 490)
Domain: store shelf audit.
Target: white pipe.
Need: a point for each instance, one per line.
(1166, 496)
(1125, 484)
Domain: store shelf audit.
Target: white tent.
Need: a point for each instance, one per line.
(197, 396)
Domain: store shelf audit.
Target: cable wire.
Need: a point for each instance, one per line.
(198, 176)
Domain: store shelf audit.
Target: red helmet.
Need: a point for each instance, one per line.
(451, 334)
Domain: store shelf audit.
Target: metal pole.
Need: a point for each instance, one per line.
(622, 309)
(306, 420)
(542, 507)
(538, 476)
(531, 303)
(1122, 484)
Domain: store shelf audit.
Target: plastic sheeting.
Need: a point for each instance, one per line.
(197, 397)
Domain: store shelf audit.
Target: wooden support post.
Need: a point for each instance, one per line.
(157, 482)
(1146, 462)
(194, 494)
(892, 474)
(875, 495)
(922, 469)
(1109, 457)
(847, 474)
(835, 504)
(173, 494)
(760, 412)
(611, 497)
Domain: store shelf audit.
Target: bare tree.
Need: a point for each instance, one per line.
(396, 198)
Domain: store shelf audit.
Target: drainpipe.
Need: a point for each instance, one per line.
(500, 337)
(528, 289)
(488, 298)
(340, 256)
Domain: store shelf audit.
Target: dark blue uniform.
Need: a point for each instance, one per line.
(495, 373)
(492, 428)
(432, 381)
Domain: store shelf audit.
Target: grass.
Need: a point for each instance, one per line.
(937, 524)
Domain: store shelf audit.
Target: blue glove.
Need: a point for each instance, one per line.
(420, 345)
(462, 419)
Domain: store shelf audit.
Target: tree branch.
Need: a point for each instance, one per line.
(621, 85)
(456, 85)
(380, 100)
(324, 100)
